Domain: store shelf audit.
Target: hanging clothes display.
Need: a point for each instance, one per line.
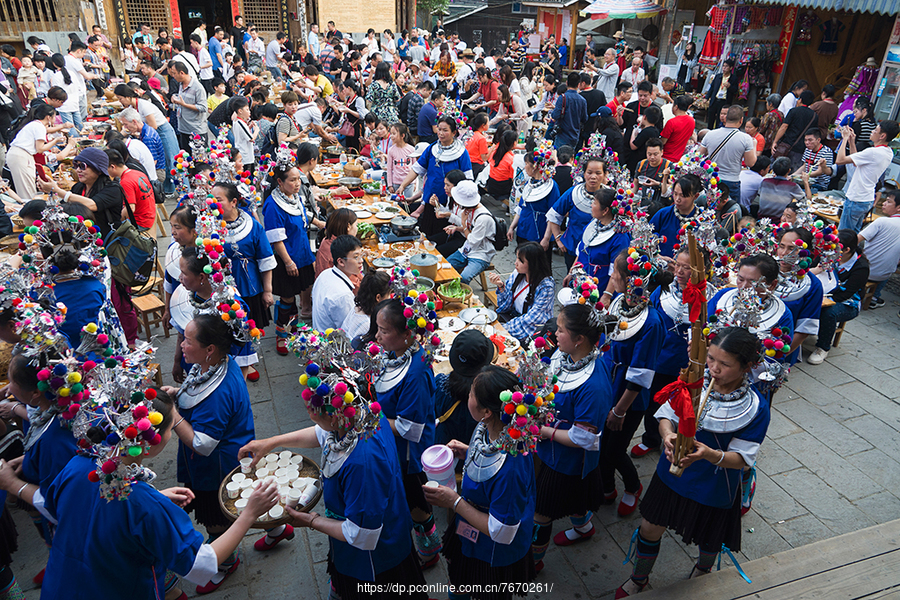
(864, 79)
(806, 21)
(715, 37)
(831, 29)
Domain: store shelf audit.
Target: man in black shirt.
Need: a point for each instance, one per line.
(794, 127)
(595, 99)
(635, 110)
(237, 36)
(337, 63)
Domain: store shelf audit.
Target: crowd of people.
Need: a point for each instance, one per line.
(598, 165)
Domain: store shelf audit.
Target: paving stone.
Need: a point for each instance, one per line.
(816, 422)
(881, 507)
(802, 530)
(869, 375)
(774, 459)
(825, 376)
(880, 467)
(772, 502)
(845, 478)
(780, 425)
(836, 512)
(763, 541)
(884, 436)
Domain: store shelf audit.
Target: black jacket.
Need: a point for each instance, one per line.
(852, 282)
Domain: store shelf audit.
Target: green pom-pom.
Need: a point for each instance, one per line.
(110, 363)
(134, 451)
(429, 305)
(411, 323)
(819, 224)
(73, 219)
(786, 349)
(415, 272)
(198, 242)
(207, 269)
(77, 388)
(313, 382)
(137, 396)
(532, 409)
(43, 386)
(108, 352)
(505, 396)
(26, 258)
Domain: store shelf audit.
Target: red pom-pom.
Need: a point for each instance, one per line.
(150, 394)
(131, 432)
(140, 412)
(108, 467)
(93, 477)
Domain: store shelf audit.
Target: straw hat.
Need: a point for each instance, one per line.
(618, 35)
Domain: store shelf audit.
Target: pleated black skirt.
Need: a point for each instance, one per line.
(407, 573)
(466, 571)
(560, 495)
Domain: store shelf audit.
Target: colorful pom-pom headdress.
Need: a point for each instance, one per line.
(544, 163)
(116, 421)
(643, 253)
(418, 308)
(595, 149)
(56, 232)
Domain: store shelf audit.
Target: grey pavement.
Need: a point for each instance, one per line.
(830, 465)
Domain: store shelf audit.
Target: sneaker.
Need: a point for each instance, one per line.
(817, 357)
(876, 303)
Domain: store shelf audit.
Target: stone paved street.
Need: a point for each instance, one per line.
(830, 465)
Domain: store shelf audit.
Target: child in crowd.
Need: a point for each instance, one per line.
(218, 97)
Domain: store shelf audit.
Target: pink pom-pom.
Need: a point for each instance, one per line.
(239, 314)
(337, 401)
(108, 467)
(534, 429)
(374, 349)
(213, 254)
(218, 277)
(43, 375)
(435, 340)
(429, 326)
(142, 424)
(155, 440)
(423, 298)
(517, 397)
(521, 421)
(102, 339)
(540, 342)
(306, 394)
(375, 407)
(350, 412)
(408, 312)
(340, 388)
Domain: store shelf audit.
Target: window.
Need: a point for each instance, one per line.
(521, 9)
(153, 12)
(265, 14)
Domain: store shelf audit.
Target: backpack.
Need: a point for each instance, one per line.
(270, 142)
(132, 254)
(500, 240)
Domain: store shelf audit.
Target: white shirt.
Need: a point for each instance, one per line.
(633, 78)
(205, 59)
(243, 141)
(307, 114)
(390, 46)
(489, 63)
(870, 165)
(141, 153)
(356, 323)
(332, 299)
(75, 67)
(28, 135)
(257, 46)
(787, 103)
(373, 45)
(145, 107)
(478, 243)
(478, 50)
(608, 76)
(72, 92)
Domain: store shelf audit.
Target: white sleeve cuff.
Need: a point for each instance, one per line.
(666, 412)
(642, 377)
(268, 263)
(500, 533)
(38, 502)
(810, 326)
(469, 175)
(585, 439)
(359, 538)
(204, 444)
(205, 566)
(554, 217)
(419, 169)
(748, 450)
(408, 430)
(276, 235)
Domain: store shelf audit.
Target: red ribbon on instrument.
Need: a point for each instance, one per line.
(694, 295)
(678, 395)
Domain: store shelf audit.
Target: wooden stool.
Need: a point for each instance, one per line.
(483, 279)
(158, 377)
(868, 294)
(150, 311)
(162, 217)
(490, 298)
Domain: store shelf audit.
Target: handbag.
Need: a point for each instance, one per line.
(132, 254)
(782, 148)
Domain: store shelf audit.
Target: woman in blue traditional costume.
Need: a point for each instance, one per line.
(251, 256)
(568, 479)
(134, 533)
(441, 157)
(632, 357)
(213, 420)
(574, 208)
(539, 194)
(603, 238)
(669, 221)
(287, 229)
(366, 517)
(800, 290)
(489, 540)
(703, 505)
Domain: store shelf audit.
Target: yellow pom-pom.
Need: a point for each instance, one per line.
(303, 379)
(770, 352)
(706, 331)
(329, 331)
(623, 325)
(29, 239)
(348, 397)
(255, 332)
(413, 294)
(64, 392)
(91, 327)
(522, 410)
(73, 377)
(549, 397)
(155, 418)
(88, 223)
(421, 322)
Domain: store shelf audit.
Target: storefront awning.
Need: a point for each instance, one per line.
(884, 7)
(624, 9)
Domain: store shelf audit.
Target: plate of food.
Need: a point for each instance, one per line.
(393, 253)
(451, 323)
(829, 211)
(383, 263)
(505, 343)
(402, 246)
(443, 353)
(487, 330)
(362, 214)
(384, 215)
